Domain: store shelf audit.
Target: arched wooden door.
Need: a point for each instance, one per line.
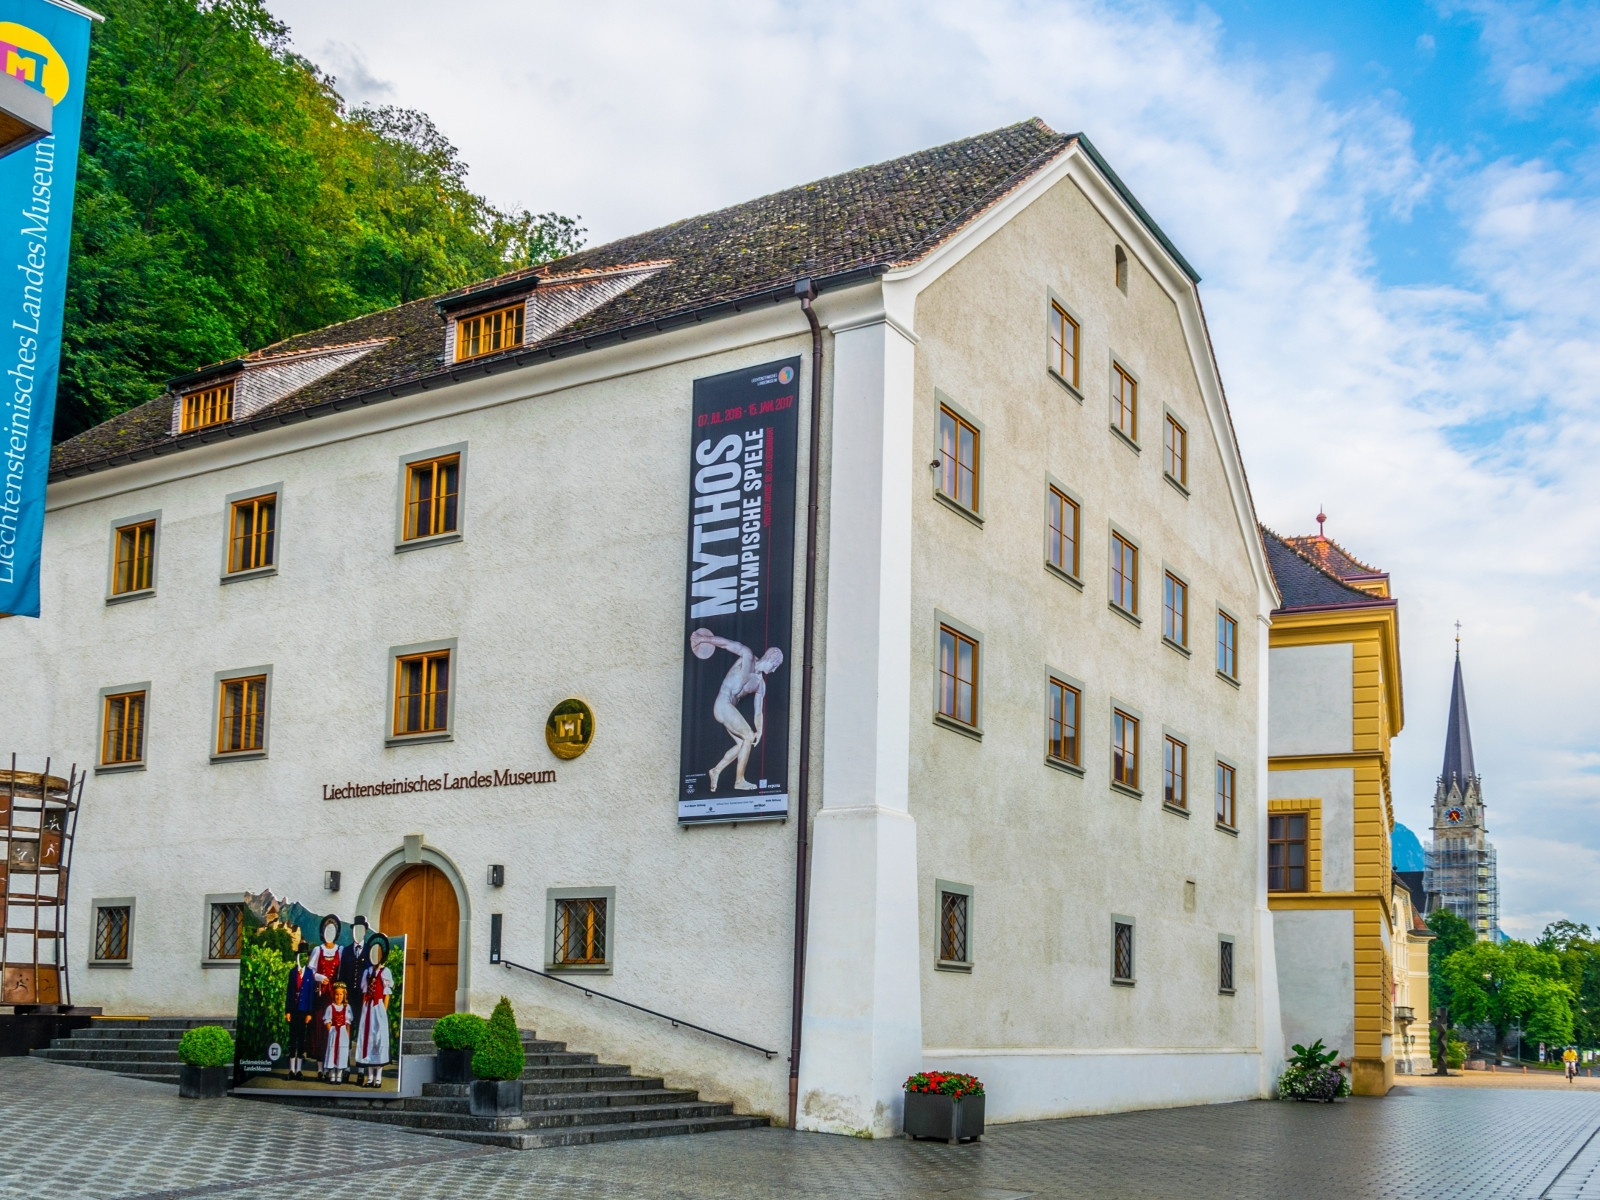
(422, 905)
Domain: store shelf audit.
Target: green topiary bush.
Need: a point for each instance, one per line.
(208, 1046)
(499, 1053)
(460, 1031)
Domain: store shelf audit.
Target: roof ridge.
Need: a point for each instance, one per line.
(1289, 545)
(1310, 537)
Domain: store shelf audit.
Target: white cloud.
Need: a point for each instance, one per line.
(1450, 430)
(1535, 49)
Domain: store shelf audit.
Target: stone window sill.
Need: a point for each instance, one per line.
(1126, 440)
(956, 506)
(1178, 646)
(1136, 793)
(118, 768)
(1230, 830)
(120, 965)
(1181, 489)
(410, 739)
(1176, 811)
(443, 539)
(240, 576)
(946, 964)
(1124, 613)
(1062, 764)
(956, 726)
(239, 756)
(1066, 383)
(1064, 576)
(1228, 679)
(124, 597)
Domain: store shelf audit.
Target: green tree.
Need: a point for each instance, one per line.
(1507, 985)
(1559, 936)
(1450, 934)
(1579, 953)
(227, 198)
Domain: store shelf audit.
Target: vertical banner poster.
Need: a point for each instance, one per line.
(743, 451)
(46, 46)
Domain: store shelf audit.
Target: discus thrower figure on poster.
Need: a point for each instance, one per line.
(747, 677)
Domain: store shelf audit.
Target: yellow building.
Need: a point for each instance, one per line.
(1410, 985)
(1334, 704)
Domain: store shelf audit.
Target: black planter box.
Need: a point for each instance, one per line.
(203, 1083)
(948, 1118)
(453, 1066)
(495, 1097)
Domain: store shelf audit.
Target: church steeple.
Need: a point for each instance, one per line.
(1458, 734)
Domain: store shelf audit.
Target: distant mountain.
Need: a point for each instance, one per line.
(1405, 849)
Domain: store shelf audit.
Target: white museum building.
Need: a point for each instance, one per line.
(319, 610)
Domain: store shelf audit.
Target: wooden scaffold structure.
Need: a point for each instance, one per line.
(38, 818)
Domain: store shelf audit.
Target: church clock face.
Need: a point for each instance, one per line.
(1453, 816)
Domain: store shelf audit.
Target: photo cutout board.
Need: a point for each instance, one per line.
(319, 1002)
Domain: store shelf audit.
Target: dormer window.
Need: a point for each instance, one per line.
(488, 332)
(213, 406)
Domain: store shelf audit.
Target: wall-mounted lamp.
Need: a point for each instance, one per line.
(497, 876)
(330, 881)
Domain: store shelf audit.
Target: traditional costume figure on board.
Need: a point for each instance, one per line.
(336, 1033)
(372, 1030)
(325, 962)
(352, 962)
(300, 1010)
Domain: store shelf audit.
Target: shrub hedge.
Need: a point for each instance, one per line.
(499, 1054)
(460, 1031)
(206, 1046)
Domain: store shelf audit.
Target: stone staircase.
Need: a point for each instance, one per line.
(138, 1047)
(569, 1098)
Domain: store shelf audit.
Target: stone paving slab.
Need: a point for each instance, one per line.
(105, 1138)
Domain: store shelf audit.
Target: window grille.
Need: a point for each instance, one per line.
(1227, 645)
(952, 927)
(1064, 344)
(1225, 785)
(1124, 574)
(1175, 610)
(251, 542)
(1175, 773)
(1286, 852)
(422, 693)
(432, 497)
(1124, 748)
(1176, 451)
(1125, 403)
(581, 932)
(958, 459)
(1063, 546)
(123, 738)
(227, 925)
(1122, 952)
(958, 676)
(213, 406)
(242, 715)
(111, 925)
(489, 332)
(1225, 965)
(134, 569)
(1064, 701)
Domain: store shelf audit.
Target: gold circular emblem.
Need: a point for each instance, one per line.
(570, 728)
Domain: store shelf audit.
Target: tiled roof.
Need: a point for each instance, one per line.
(1334, 558)
(1304, 583)
(863, 221)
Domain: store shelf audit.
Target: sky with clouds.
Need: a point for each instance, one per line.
(1395, 208)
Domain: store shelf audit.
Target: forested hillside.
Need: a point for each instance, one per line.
(228, 197)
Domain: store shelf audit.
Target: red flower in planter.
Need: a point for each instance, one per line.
(945, 1083)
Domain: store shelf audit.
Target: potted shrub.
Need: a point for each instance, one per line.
(497, 1062)
(1314, 1074)
(206, 1057)
(943, 1105)
(456, 1037)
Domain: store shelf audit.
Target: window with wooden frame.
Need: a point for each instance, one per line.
(1286, 852)
(1063, 344)
(958, 676)
(1225, 965)
(133, 564)
(953, 913)
(422, 693)
(1125, 403)
(491, 331)
(1121, 951)
(1175, 452)
(1175, 773)
(1226, 782)
(433, 489)
(1065, 702)
(227, 928)
(252, 534)
(1227, 645)
(122, 729)
(1062, 544)
(242, 715)
(1175, 610)
(113, 929)
(958, 459)
(1124, 574)
(580, 939)
(1124, 749)
(212, 406)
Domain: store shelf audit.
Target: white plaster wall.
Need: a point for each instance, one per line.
(1336, 787)
(1316, 977)
(1312, 699)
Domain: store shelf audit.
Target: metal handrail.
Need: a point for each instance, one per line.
(676, 1021)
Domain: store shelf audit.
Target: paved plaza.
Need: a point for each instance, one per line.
(67, 1132)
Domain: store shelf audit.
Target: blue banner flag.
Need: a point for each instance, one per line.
(45, 45)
